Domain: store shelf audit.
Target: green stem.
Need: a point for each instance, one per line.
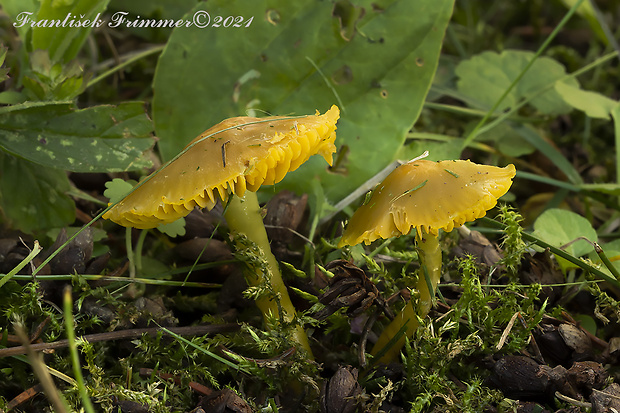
(130, 60)
(36, 249)
(73, 350)
(139, 250)
(244, 217)
(430, 274)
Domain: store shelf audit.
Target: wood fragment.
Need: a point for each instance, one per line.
(123, 335)
(24, 396)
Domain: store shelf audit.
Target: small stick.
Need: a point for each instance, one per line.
(121, 335)
(506, 331)
(364, 337)
(572, 401)
(24, 396)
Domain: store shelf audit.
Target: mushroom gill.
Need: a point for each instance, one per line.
(236, 155)
(428, 196)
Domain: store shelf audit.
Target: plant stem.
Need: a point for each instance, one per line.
(134, 57)
(73, 350)
(36, 249)
(428, 278)
(244, 217)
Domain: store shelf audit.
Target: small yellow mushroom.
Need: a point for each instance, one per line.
(427, 196)
(234, 155)
(232, 160)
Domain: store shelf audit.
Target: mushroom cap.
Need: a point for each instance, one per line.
(236, 154)
(428, 196)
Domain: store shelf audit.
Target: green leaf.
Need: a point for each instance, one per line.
(33, 197)
(117, 189)
(593, 104)
(13, 8)
(97, 139)
(438, 150)
(559, 227)
(173, 229)
(297, 57)
(53, 81)
(486, 76)
(11, 97)
(63, 43)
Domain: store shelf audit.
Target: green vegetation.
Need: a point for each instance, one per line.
(96, 317)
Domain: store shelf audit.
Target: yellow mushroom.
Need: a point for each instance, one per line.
(232, 160)
(427, 196)
(234, 155)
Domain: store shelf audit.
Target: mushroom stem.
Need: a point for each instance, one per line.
(405, 319)
(429, 254)
(244, 217)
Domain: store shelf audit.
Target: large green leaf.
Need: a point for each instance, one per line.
(486, 76)
(32, 198)
(97, 139)
(376, 60)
